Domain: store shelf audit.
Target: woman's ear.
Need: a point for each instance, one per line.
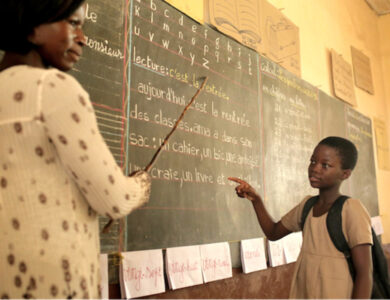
(346, 173)
(35, 37)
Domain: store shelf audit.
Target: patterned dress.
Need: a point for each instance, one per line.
(56, 174)
(321, 271)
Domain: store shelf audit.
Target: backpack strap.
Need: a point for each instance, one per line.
(335, 230)
(306, 209)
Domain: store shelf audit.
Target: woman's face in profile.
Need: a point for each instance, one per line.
(60, 43)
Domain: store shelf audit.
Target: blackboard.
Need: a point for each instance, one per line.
(333, 123)
(254, 120)
(339, 119)
(363, 179)
(191, 202)
(290, 113)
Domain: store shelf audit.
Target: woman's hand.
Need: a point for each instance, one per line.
(144, 180)
(244, 189)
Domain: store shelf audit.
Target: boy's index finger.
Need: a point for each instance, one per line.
(235, 179)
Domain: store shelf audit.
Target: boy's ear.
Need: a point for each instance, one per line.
(346, 173)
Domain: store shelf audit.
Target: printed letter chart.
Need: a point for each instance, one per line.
(292, 244)
(253, 255)
(216, 261)
(183, 267)
(104, 276)
(142, 273)
(276, 253)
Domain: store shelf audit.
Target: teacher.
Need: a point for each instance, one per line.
(56, 172)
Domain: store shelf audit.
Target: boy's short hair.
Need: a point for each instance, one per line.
(18, 18)
(346, 149)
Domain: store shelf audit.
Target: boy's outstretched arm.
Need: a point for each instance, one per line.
(362, 262)
(272, 230)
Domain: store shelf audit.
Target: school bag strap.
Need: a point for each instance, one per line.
(334, 226)
(306, 209)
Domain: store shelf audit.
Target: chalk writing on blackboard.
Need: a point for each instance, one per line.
(218, 136)
(363, 178)
(290, 114)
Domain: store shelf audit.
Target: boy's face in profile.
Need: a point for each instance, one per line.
(325, 169)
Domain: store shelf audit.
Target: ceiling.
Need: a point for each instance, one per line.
(381, 7)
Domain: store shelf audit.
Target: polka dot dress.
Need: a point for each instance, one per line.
(56, 175)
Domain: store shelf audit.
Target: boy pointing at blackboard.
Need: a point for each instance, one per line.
(321, 270)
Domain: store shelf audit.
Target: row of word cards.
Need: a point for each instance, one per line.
(142, 272)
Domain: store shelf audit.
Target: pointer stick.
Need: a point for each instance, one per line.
(147, 168)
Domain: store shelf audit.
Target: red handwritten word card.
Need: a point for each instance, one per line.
(142, 273)
(253, 255)
(292, 244)
(276, 253)
(183, 267)
(216, 261)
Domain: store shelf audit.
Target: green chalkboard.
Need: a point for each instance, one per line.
(339, 119)
(254, 120)
(363, 178)
(192, 201)
(333, 123)
(291, 131)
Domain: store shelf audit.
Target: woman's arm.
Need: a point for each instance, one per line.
(272, 230)
(362, 262)
(70, 122)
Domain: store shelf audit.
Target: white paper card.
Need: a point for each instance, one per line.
(253, 255)
(276, 253)
(376, 223)
(292, 244)
(216, 261)
(142, 273)
(104, 276)
(183, 267)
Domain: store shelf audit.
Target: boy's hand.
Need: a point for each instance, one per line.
(244, 190)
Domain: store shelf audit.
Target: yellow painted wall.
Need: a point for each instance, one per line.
(338, 25)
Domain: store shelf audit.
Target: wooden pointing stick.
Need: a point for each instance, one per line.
(150, 164)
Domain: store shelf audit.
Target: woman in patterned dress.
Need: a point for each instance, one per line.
(56, 172)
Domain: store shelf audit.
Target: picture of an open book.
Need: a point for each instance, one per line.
(239, 19)
(260, 26)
